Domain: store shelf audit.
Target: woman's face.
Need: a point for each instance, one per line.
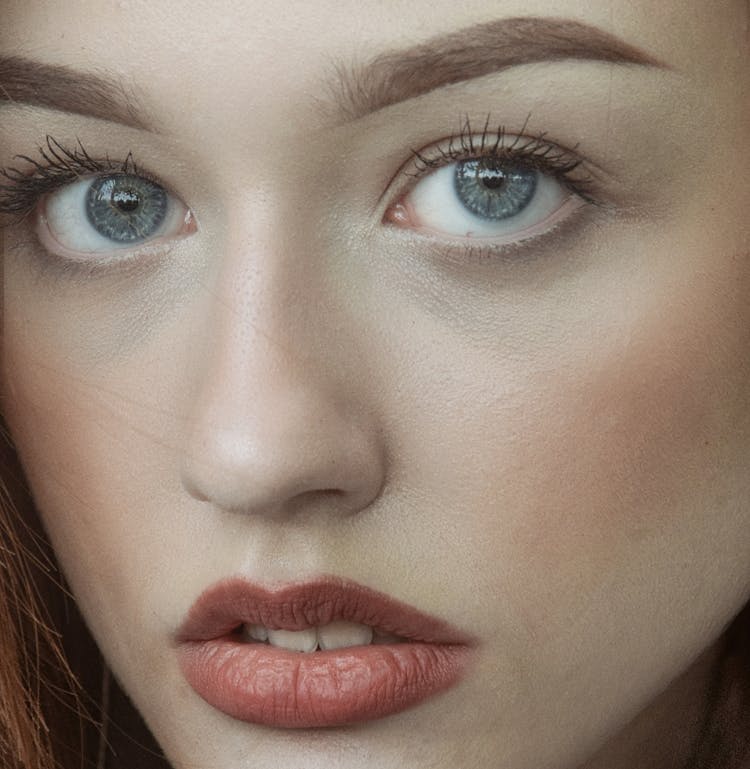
(513, 394)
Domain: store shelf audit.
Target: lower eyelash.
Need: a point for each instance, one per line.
(513, 256)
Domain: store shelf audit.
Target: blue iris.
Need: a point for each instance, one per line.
(494, 189)
(125, 208)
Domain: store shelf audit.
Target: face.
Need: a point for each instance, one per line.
(503, 380)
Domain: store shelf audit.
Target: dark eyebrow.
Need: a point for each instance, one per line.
(472, 52)
(58, 87)
(356, 90)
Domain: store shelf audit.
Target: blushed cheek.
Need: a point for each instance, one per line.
(87, 439)
(56, 419)
(639, 446)
(93, 471)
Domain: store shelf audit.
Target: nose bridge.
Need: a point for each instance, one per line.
(275, 424)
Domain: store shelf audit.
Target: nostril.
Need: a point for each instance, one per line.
(280, 455)
(315, 499)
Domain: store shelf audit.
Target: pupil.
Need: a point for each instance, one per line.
(126, 209)
(126, 200)
(491, 177)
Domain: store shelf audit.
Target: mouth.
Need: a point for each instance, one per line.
(339, 634)
(318, 654)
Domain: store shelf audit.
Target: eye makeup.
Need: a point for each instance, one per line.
(498, 189)
(59, 166)
(493, 157)
(534, 152)
(31, 194)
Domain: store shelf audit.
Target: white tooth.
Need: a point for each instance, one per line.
(342, 633)
(255, 632)
(294, 640)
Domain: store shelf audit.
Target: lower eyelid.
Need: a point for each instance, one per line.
(54, 253)
(180, 216)
(402, 213)
(461, 256)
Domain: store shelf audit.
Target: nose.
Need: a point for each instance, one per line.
(278, 420)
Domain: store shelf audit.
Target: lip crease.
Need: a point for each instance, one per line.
(263, 684)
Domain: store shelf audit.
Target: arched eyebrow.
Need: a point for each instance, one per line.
(473, 52)
(58, 87)
(355, 90)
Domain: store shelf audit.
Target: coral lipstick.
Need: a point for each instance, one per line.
(262, 684)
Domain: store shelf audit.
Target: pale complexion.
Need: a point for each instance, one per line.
(547, 449)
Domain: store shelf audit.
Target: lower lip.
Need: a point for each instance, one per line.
(262, 684)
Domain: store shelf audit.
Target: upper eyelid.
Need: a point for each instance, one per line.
(540, 137)
(108, 165)
(594, 170)
(60, 167)
(454, 155)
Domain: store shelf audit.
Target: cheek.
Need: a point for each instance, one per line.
(104, 485)
(664, 413)
(69, 442)
(624, 470)
(89, 443)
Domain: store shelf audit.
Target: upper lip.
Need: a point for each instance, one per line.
(228, 604)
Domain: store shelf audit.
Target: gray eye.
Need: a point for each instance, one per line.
(110, 215)
(125, 208)
(493, 189)
(502, 200)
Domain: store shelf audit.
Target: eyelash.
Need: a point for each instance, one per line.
(532, 151)
(60, 166)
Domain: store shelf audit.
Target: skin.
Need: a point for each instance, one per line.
(549, 451)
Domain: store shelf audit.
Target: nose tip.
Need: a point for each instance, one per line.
(280, 450)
